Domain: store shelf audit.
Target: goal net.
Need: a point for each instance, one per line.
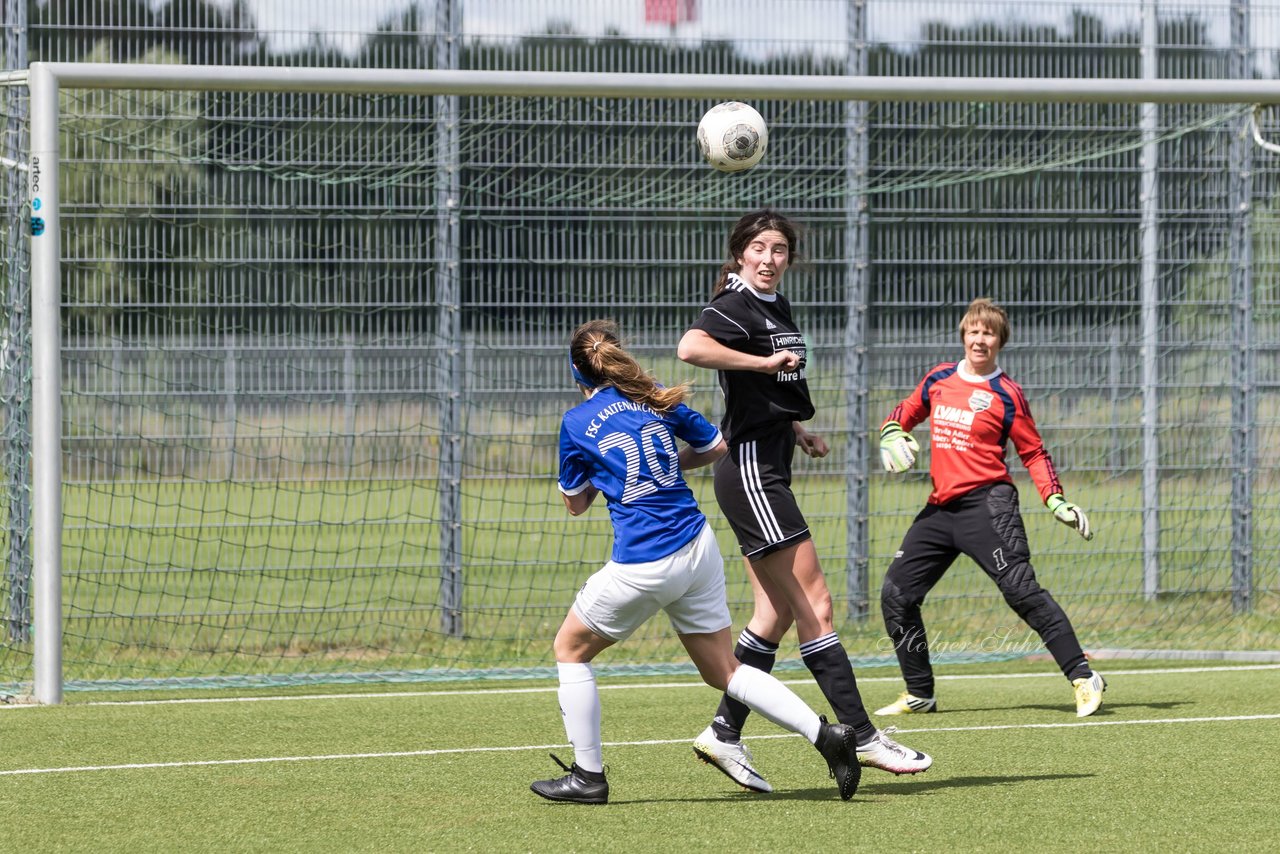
(314, 356)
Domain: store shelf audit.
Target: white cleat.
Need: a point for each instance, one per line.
(1088, 693)
(888, 755)
(734, 760)
(908, 704)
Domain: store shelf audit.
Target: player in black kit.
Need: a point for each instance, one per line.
(747, 334)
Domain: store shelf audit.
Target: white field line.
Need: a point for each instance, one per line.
(392, 695)
(444, 751)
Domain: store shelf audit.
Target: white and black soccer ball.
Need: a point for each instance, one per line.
(732, 136)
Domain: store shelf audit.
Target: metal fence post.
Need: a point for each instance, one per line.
(1244, 395)
(448, 232)
(1150, 235)
(15, 395)
(857, 299)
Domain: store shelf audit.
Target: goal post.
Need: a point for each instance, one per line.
(316, 336)
(46, 386)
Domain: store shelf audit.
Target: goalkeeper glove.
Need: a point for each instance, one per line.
(1069, 514)
(898, 448)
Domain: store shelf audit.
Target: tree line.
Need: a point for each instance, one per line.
(133, 273)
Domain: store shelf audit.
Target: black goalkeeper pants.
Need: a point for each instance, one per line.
(986, 525)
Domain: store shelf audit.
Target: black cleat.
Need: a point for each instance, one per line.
(839, 746)
(579, 787)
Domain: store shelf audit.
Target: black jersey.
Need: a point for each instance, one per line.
(743, 319)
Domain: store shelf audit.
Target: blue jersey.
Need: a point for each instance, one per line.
(628, 452)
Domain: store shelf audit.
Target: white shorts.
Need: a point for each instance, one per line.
(688, 584)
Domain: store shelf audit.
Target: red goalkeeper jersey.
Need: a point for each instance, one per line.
(971, 419)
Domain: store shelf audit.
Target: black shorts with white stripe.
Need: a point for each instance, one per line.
(753, 489)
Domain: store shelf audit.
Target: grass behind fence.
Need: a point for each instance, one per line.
(182, 579)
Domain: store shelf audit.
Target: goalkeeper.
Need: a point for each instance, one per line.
(974, 410)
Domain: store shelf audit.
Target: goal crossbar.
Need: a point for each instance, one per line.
(617, 85)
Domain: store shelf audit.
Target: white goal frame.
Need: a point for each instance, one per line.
(46, 79)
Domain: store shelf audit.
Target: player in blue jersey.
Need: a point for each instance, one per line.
(621, 441)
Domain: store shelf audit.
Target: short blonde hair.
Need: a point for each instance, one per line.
(986, 312)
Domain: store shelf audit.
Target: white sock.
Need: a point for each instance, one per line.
(775, 701)
(580, 708)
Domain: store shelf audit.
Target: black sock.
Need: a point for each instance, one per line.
(589, 776)
(732, 715)
(829, 663)
(1066, 651)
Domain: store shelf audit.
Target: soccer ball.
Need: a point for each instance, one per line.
(732, 136)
